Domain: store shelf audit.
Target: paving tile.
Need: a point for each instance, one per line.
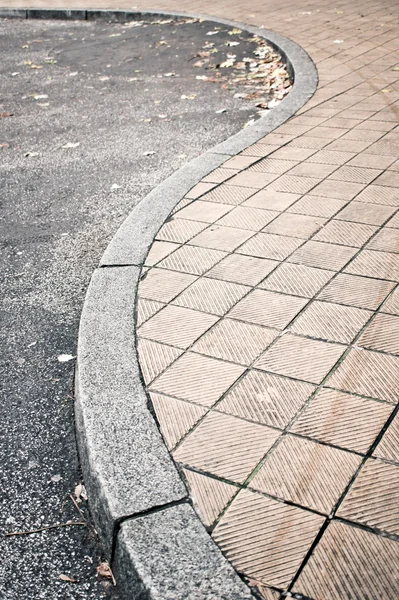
(370, 263)
(268, 308)
(269, 200)
(354, 146)
(163, 285)
(392, 304)
(355, 174)
(259, 149)
(342, 420)
(228, 194)
(199, 189)
(225, 446)
(245, 217)
(179, 230)
(394, 221)
(183, 202)
(252, 179)
(266, 539)
(176, 326)
(345, 233)
(146, 308)
(337, 189)
(154, 358)
(210, 496)
(388, 447)
(265, 245)
(175, 417)
(192, 259)
(349, 562)
(382, 334)
(390, 179)
(211, 295)
(292, 184)
(295, 225)
(158, 251)
(321, 255)
(265, 398)
(235, 341)
(317, 206)
(273, 165)
(371, 160)
(309, 142)
(306, 473)
(362, 292)
(331, 322)
(328, 133)
(204, 212)
(386, 240)
(293, 153)
(377, 194)
(238, 268)
(361, 212)
(239, 162)
(221, 238)
(369, 374)
(197, 378)
(331, 157)
(373, 499)
(301, 358)
(312, 169)
(299, 280)
(219, 175)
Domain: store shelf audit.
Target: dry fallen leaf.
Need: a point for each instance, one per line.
(104, 570)
(6, 114)
(149, 153)
(67, 578)
(65, 357)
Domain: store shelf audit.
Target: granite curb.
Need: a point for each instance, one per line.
(157, 545)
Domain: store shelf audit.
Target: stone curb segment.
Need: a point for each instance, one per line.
(158, 547)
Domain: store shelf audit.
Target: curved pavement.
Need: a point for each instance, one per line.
(268, 321)
(268, 327)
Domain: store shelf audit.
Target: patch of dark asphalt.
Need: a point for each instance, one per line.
(72, 166)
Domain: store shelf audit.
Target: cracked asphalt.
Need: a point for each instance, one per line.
(101, 113)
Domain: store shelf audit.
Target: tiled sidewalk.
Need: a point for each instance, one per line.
(269, 319)
(269, 328)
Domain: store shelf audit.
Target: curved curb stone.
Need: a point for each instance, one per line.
(158, 546)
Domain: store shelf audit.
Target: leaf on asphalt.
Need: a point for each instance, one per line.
(50, 61)
(56, 478)
(115, 35)
(4, 145)
(212, 32)
(31, 154)
(103, 78)
(170, 75)
(36, 66)
(232, 43)
(188, 97)
(67, 578)
(104, 570)
(80, 492)
(70, 145)
(73, 74)
(15, 74)
(222, 110)
(115, 186)
(6, 114)
(234, 31)
(149, 153)
(39, 96)
(65, 358)
(25, 46)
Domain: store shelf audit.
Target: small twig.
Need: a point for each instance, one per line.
(77, 507)
(69, 524)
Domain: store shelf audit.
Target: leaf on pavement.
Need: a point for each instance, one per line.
(67, 578)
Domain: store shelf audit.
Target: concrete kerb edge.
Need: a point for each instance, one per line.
(131, 480)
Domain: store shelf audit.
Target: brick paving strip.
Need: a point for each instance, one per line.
(268, 321)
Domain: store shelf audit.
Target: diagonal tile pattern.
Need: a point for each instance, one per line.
(306, 473)
(266, 539)
(226, 446)
(308, 216)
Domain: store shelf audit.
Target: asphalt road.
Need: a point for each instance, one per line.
(101, 114)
